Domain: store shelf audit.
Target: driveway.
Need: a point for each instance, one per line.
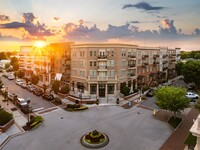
(128, 129)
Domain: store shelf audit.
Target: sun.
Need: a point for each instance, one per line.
(40, 44)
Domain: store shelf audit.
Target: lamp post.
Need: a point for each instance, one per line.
(28, 102)
(6, 95)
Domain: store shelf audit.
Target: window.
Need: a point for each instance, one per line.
(90, 63)
(139, 61)
(112, 63)
(123, 73)
(151, 60)
(95, 63)
(93, 88)
(112, 53)
(150, 68)
(111, 88)
(90, 53)
(123, 63)
(95, 53)
(81, 73)
(110, 73)
(139, 53)
(93, 73)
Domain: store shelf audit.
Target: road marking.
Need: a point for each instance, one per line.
(38, 109)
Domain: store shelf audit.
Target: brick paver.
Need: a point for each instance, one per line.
(178, 137)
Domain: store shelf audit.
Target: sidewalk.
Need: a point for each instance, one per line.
(178, 137)
(16, 128)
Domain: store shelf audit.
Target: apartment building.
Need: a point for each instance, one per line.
(46, 62)
(102, 70)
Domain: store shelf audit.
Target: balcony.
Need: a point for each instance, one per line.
(132, 74)
(102, 57)
(155, 62)
(155, 56)
(145, 64)
(99, 78)
(131, 56)
(164, 62)
(145, 56)
(165, 55)
(102, 68)
(165, 68)
(131, 65)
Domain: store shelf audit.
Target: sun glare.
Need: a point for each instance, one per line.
(40, 44)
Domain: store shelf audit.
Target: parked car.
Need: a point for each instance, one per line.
(23, 85)
(11, 77)
(12, 96)
(30, 88)
(38, 92)
(48, 96)
(192, 95)
(18, 81)
(150, 93)
(23, 104)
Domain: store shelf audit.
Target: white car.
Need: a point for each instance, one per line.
(11, 77)
(192, 95)
(19, 81)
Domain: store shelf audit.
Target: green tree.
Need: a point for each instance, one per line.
(125, 90)
(44, 86)
(56, 86)
(34, 79)
(172, 99)
(191, 72)
(179, 68)
(20, 73)
(65, 89)
(7, 65)
(16, 66)
(14, 60)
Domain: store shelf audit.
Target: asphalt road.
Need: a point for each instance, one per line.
(128, 129)
(36, 101)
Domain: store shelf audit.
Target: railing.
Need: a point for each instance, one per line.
(156, 55)
(102, 57)
(155, 62)
(131, 74)
(131, 56)
(102, 67)
(164, 62)
(164, 56)
(131, 65)
(105, 78)
(145, 56)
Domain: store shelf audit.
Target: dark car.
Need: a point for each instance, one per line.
(38, 92)
(150, 93)
(48, 96)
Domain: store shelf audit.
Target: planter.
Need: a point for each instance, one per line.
(6, 126)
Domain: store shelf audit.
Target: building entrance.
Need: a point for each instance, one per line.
(102, 90)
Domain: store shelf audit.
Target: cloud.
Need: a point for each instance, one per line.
(142, 5)
(8, 38)
(168, 27)
(28, 24)
(4, 18)
(56, 18)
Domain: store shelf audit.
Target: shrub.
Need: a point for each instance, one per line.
(125, 90)
(136, 90)
(64, 90)
(5, 117)
(117, 101)
(58, 100)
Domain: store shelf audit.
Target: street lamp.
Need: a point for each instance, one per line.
(80, 96)
(6, 95)
(28, 102)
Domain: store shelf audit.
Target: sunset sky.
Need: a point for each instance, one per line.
(171, 23)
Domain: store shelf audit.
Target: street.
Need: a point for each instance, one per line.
(36, 101)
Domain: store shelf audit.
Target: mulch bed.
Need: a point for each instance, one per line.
(163, 115)
(26, 128)
(13, 109)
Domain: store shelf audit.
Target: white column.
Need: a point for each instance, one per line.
(106, 91)
(131, 86)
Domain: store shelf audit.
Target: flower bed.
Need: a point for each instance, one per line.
(95, 139)
(75, 107)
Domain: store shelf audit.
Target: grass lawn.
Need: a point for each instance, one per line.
(191, 140)
(174, 122)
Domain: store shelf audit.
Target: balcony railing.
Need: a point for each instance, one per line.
(165, 55)
(155, 62)
(131, 65)
(165, 68)
(102, 67)
(131, 74)
(145, 64)
(102, 57)
(156, 55)
(164, 62)
(105, 78)
(145, 56)
(131, 56)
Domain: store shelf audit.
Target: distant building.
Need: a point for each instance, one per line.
(3, 63)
